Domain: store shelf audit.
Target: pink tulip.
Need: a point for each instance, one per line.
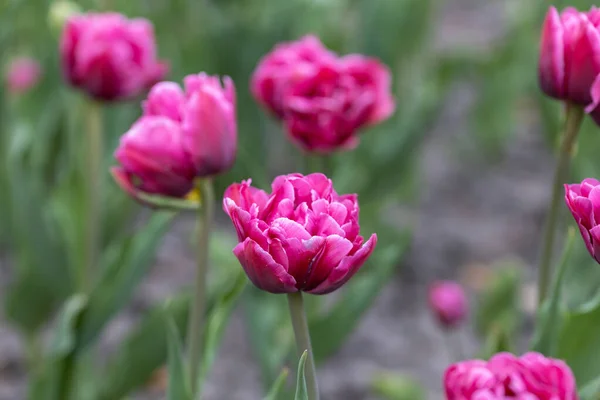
(570, 54)
(324, 110)
(531, 376)
(584, 202)
(448, 302)
(22, 74)
(154, 159)
(182, 135)
(206, 113)
(282, 66)
(110, 57)
(302, 236)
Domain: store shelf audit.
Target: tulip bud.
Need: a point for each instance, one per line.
(531, 376)
(22, 74)
(583, 200)
(448, 302)
(59, 13)
(110, 57)
(302, 236)
(570, 54)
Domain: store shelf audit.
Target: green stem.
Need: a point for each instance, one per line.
(302, 335)
(93, 161)
(573, 121)
(65, 382)
(196, 317)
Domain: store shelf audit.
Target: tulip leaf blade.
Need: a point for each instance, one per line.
(178, 387)
(301, 389)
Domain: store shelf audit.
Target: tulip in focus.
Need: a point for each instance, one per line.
(583, 201)
(531, 376)
(22, 74)
(570, 54)
(323, 100)
(183, 134)
(302, 236)
(110, 57)
(448, 302)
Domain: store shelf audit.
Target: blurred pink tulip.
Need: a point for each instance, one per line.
(583, 201)
(301, 237)
(531, 376)
(110, 57)
(206, 113)
(286, 63)
(323, 99)
(324, 111)
(154, 159)
(570, 54)
(182, 135)
(22, 74)
(448, 302)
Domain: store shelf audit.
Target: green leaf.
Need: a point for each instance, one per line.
(179, 387)
(65, 333)
(143, 352)
(301, 390)
(127, 264)
(275, 390)
(579, 345)
(550, 316)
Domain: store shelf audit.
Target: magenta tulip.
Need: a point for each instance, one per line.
(206, 113)
(182, 135)
(448, 302)
(22, 74)
(282, 66)
(323, 100)
(154, 159)
(531, 376)
(110, 57)
(570, 54)
(302, 236)
(325, 110)
(583, 201)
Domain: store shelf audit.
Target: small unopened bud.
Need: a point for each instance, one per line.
(448, 303)
(59, 13)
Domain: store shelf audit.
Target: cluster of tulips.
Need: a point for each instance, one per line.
(303, 236)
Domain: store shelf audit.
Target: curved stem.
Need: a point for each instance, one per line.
(94, 153)
(572, 124)
(302, 335)
(196, 317)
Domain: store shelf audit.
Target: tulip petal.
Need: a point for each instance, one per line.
(552, 57)
(262, 270)
(346, 269)
(165, 99)
(332, 252)
(584, 65)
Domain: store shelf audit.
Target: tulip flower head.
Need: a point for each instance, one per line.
(183, 134)
(302, 236)
(323, 100)
(570, 54)
(110, 57)
(448, 302)
(22, 74)
(583, 201)
(531, 376)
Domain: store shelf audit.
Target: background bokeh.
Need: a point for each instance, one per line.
(456, 185)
